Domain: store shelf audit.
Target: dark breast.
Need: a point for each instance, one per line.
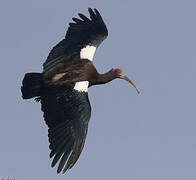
(71, 72)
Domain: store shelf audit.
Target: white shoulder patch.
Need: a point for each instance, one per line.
(82, 86)
(87, 52)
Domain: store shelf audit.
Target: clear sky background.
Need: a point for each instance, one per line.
(150, 136)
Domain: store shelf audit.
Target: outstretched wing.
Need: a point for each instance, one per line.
(81, 33)
(66, 112)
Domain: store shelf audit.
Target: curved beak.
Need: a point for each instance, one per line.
(127, 79)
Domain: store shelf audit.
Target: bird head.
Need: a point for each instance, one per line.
(119, 74)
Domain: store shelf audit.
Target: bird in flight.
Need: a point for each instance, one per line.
(62, 87)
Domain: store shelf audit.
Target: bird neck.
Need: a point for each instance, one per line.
(104, 78)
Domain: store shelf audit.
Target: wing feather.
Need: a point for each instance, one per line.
(77, 20)
(63, 161)
(84, 18)
(98, 15)
(67, 114)
(80, 33)
(66, 148)
(92, 15)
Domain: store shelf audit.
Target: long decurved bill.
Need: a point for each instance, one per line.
(127, 79)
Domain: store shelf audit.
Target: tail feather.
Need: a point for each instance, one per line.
(31, 85)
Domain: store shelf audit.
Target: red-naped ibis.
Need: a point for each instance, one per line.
(62, 87)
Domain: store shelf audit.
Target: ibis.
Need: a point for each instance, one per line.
(62, 87)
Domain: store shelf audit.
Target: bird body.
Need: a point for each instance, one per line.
(62, 87)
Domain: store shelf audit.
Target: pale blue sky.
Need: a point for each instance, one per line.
(150, 136)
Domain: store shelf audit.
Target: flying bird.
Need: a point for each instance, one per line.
(62, 87)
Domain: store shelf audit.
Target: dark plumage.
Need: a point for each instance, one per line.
(66, 113)
(86, 31)
(62, 87)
